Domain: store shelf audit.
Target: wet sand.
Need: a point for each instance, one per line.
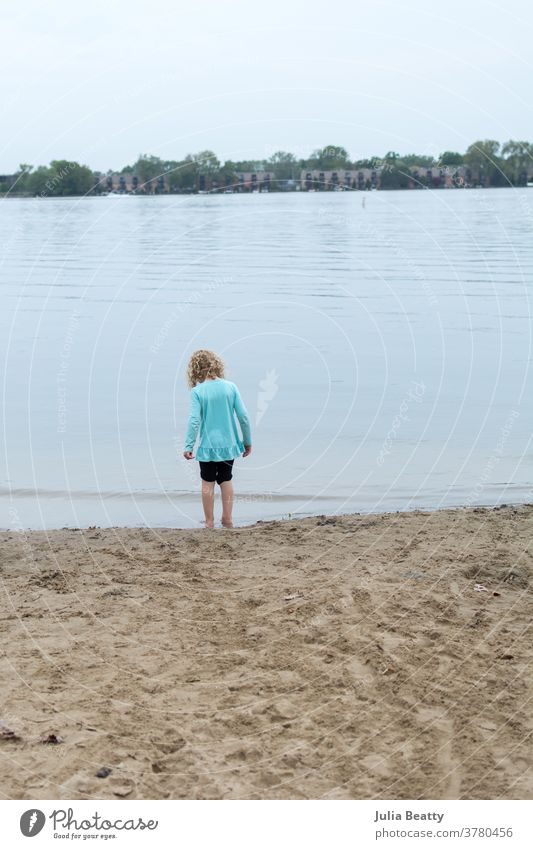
(377, 656)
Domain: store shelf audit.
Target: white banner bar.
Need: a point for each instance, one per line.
(267, 824)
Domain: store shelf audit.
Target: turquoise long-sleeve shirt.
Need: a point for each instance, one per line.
(214, 406)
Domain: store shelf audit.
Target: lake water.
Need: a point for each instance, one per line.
(383, 350)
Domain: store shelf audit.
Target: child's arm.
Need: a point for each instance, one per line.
(193, 425)
(244, 421)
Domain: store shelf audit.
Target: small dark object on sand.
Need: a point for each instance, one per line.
(103, 772)
(7, 733)
(52, 739)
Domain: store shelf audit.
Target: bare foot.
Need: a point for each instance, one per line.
(209, 525)
(227, 524)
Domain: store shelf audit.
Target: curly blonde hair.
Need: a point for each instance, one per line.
(204, 364)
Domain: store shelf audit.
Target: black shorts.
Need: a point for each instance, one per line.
(220, 471)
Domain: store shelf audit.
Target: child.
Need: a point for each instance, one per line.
(214, 403)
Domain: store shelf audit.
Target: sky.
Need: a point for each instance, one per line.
(101, 82)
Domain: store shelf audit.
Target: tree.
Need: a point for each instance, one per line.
(148, 168)
(483, 160)
(450, 157)
(21, 182)
(284, 165)
(170, 170)
(182, 176)
(60, 178)
(70, 178)
(419, 159)
(395, 174)
(203, 166)
(329, 158)
(252, 165)
(37, 180)
(227, 174)
(518, 161)
(207, 162)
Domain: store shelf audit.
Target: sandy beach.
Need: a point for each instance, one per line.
(365, 656)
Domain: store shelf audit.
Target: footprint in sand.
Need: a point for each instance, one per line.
(447, 784)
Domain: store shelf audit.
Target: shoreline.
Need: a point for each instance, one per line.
(364, 656)
(243, 500)
(219, 193)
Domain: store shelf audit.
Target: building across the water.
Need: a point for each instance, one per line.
(349, 179)
(446, 177)
(371, 178)
(254, 181)
(127, 183)
(341, 179)
(242, 181)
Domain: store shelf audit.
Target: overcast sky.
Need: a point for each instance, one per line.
(104, 80)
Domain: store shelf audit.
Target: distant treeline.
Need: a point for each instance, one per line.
(488, 163)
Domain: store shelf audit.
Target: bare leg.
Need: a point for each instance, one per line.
(226, 490)
(208, 503)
